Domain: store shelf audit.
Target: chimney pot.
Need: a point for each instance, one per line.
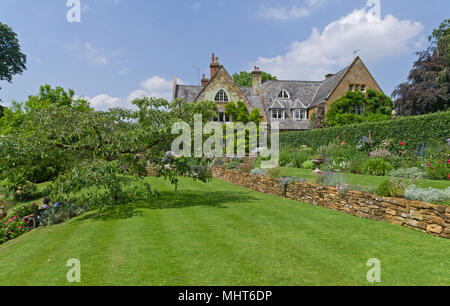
(214, 65)
(256, 81)
(204, 81)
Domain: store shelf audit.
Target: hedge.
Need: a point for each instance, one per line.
(430, 129)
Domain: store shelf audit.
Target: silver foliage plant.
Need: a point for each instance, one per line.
(430, 195)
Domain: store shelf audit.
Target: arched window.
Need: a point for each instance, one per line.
(283, 94)
(221, 96)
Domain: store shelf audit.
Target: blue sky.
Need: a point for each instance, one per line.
(126, 48)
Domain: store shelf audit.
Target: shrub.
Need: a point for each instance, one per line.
(383, 189)
(438, 170)
(18, 189)
(274, 172)
(60, 214)
(298, 158)
(24, 210)
(285, 158)
(377, 166)
(11, 228)
(341, 156)
(410, 173)
(430, 195)
(392, 188)
(357, 162)
(408, 129)
(380, 153)
(308, 165)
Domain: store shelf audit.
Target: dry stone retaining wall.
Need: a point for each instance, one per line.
(428, 218)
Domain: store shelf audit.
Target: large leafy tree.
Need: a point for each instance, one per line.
(357, 107)
(244, 78)
(12, 60)
(428, 86)
(47, 96)
(99, 155)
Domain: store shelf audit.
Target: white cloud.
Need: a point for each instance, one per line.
(104, 102)
(324, 52)
(155, 86)
(285, 13)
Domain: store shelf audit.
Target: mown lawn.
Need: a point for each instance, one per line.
(220, 234)
(364, 180)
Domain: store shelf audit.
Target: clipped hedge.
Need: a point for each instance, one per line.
(414, 131)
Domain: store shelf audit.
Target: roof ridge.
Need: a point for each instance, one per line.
(298, 81)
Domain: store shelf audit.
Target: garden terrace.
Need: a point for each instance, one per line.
(428, 218)
(223, 234)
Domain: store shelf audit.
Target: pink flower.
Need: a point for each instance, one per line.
(14, 218)
(10, 220)
(20, 227)
(6, 223)
(9, 232)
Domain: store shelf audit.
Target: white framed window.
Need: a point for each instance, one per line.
(363, 88)
(300, 114)
(221, 96)
(278, 114)
(283, 94)
(351, 87)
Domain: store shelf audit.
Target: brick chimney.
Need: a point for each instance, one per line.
(204, 80)
(214, 65)
(256, 81)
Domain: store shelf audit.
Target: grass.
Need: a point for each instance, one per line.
(364, 180)
(221, 234)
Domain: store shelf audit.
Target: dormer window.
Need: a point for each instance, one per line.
(278, 114)
(221, 96)
(299, 114)
(283, 94)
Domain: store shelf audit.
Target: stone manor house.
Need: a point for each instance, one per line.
(291, 103)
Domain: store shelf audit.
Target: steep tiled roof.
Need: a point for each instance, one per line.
(327, 87)
(302, 94)
(301, 90)
(298, 104)
(187, 92)
(276, 104)
(254, 99)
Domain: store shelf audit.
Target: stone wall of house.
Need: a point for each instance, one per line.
(358, 74)
(222, 80)
(428, 218)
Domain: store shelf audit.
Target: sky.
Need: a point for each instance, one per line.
(122, 49)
